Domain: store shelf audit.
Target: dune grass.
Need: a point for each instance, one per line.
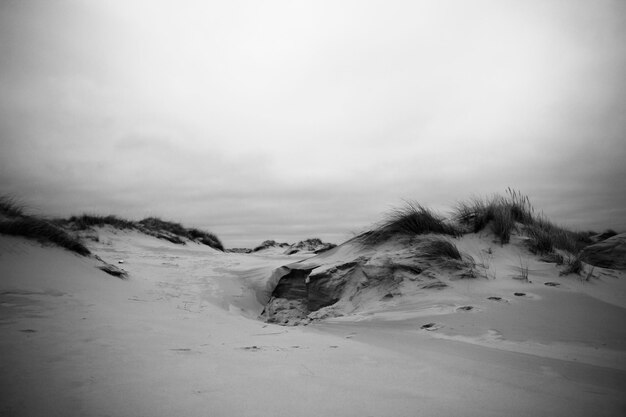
(14, 221)
(437, 248)
(573, 265)
(504, 214)
(545, 237)
(270, 244)
(10, 207)
(85, 221)
(162, 229)
(177, 231)
(410, 220)
(44, 232)
(205, 238)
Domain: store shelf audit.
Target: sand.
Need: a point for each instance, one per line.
(180, 336)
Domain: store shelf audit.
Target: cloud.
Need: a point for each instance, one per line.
(282, 119)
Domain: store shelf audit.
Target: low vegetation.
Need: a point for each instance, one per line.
(162, 229)
(437, 248)
(15, 222)
(270, 244)
(410, 220)
(10, 207)
(545, 237)
(509, 213)
(502, 212)
(573, 265)
(85, 221)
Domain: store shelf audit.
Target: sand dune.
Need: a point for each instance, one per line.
(181, 336)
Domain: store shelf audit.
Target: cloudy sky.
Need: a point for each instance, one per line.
(293, 119)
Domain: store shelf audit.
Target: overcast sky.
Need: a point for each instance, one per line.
(295, 119)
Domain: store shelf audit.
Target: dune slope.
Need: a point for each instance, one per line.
(180, 336)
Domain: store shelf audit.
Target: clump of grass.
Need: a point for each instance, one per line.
(503, 223)
(523, 270)
(503, 212)
(438, 248)
(156, 224)
(42, 231)
(177, 230)
(10, 207)
(545, 237)
(410, 220)
(269, 244)
(604, 235)
(162, 229)
(17, 223)
(553, 257)
(574, 266)
(540, 240)
(205, 238)
(519, 205)
(85, 221)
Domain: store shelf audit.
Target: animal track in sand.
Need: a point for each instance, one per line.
(431, 327)
(255, 348)
(251, 348)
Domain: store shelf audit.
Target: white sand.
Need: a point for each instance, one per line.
(179, 337)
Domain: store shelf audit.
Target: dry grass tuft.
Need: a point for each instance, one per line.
(506, 213)
(574, 265)
(410, 220)
(10, 207)
(502, 212)
(86, 221)
(44, 232)
(162, 229)
(437, 248)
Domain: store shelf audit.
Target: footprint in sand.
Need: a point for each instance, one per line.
(431, 327)
(465, 308)
(251, 348)
(552, 284)
(494, 298)
(519, 294)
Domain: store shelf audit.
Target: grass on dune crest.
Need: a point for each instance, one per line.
(545, 237)
(44, 232)
(502, 212)
(410, 220)
(505, 213)
(171, 231)
(14, 221)
(86, 221)
(157, 225)
(10, 207)
(206, 238)
(437, 248)
(17, 223)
